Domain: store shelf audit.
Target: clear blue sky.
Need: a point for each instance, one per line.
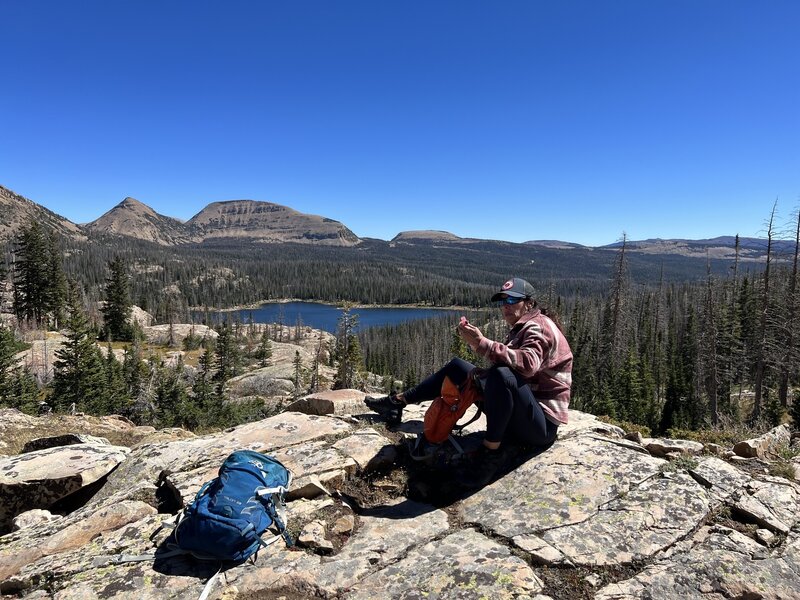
(512, 120)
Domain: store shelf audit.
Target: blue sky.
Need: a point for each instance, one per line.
(503, 120)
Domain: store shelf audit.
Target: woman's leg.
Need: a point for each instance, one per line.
(512, 413)
(431, 387)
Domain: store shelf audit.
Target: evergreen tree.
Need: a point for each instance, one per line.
(8, 349)
(348, 352)
(264, 351)
(31, 271)
(134, 368)
(57, 287)
(23, 391)
(459, 348)
(228, 356)
(79, 371)
(117, 306)
(297, 363)
(209, 408)
(118, 397)
(171, 398)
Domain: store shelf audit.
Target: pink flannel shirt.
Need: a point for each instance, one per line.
(537, 350)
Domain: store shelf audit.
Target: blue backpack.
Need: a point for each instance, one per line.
(230, 513)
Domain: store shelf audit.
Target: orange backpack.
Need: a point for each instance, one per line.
(443, 414)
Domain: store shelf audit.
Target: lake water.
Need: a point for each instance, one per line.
(326, 316)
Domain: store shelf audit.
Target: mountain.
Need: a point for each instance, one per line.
(16, 211)
(267, 222)
(426, 234)
(723, 247)
(555, 244)
(134, 219)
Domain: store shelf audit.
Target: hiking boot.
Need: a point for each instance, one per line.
(389, 407)
(480, 468)
(420, 449)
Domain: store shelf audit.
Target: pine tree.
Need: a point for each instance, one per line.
(57, 286)
(264, 351)
(117, 306)
(79, 371)
(171, 398)
(208, 406)
(297, 363)
(30, 277)
(118, 398)
(24, 392)
(228, 356)
(459, 348)
(348, 352)
(7, 351)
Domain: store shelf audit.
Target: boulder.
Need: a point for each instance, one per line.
(33, 517)
(765, 445)
(313, 536)
(17, 429)
(67, 439)
(263, 382)
(331, 402)
(40, 479)
(160, 334)
(663, 447)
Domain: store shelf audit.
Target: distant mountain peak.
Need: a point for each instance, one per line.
(425, 234)
(267, 222)
(133, 218)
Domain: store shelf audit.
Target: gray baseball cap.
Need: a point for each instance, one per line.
(516, 288)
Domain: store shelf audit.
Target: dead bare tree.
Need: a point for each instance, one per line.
(789, 358)
(764, 310)
(708, 346)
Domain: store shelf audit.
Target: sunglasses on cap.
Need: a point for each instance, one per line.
(507, 301)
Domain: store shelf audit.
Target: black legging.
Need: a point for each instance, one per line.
(512, 413)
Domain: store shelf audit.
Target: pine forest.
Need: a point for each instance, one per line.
(664, 344)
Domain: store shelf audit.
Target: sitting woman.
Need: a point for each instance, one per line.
(526, 391)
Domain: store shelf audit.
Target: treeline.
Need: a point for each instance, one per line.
(169, 281)
(658, 352)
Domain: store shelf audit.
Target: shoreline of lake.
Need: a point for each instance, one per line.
(255, 305)
(327, 315)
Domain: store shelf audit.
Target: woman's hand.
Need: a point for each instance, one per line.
(469, 333)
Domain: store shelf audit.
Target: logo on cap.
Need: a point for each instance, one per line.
(508, 284)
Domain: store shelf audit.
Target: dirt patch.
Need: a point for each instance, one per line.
(571, 583)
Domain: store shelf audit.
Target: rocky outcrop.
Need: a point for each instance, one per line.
(594, 516)
(161, 334)
(330, 402)
(41, 478)
(18, 429)
(766, 444)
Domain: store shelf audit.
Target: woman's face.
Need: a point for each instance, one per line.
(513, 312)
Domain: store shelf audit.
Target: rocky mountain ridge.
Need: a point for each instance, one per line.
(266, 222)
(16, 211)
(598, 515)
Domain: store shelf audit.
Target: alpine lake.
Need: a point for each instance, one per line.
(326, 316)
